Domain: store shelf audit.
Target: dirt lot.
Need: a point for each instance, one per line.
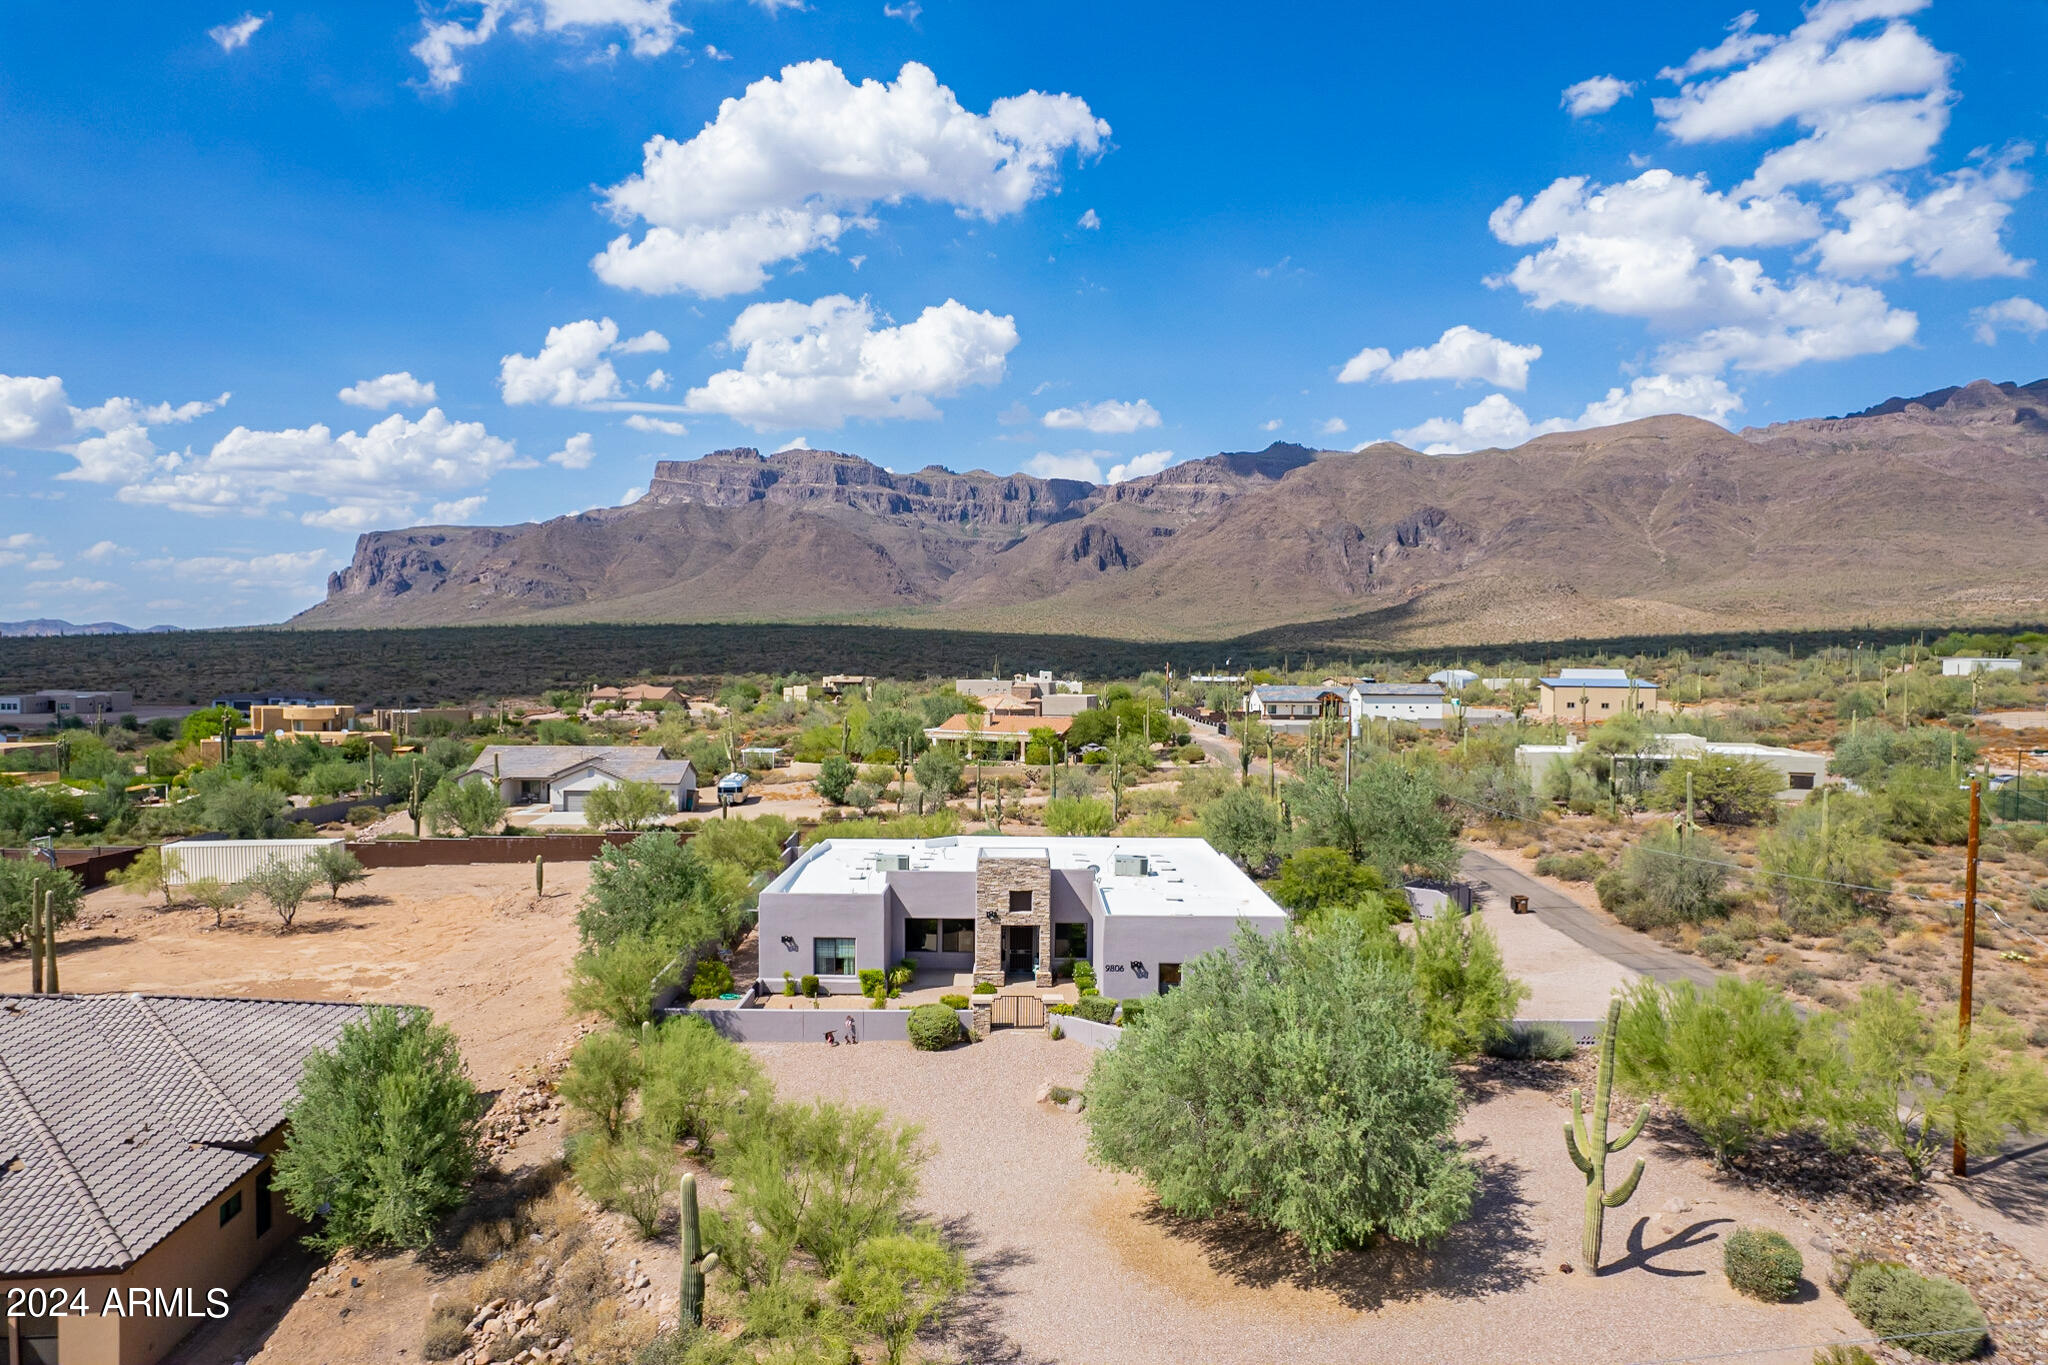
(472, 943)
(1078, 1264)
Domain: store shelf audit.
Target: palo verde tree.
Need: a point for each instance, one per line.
(382, 1141)
(1209, 1101)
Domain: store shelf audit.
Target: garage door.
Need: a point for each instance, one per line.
(573, 801)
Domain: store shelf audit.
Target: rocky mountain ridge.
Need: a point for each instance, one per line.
(1930, 508)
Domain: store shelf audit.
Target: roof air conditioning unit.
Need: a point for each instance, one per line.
(892, 862)
(1133, 865)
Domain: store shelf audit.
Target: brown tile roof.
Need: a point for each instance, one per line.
(123, 1115)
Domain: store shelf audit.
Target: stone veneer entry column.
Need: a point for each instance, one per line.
(995, 877)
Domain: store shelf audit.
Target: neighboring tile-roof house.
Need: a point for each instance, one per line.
(544, 762)
(123, 1115)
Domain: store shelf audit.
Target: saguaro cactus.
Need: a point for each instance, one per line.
(50, 941)
(1590, 1149)
(540, 875)
(695, 1264)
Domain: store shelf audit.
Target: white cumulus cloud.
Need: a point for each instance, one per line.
(2016, 314)
(237, 34)
(109, 441)
(358, 480)
(1595, 95)
(802, 157)
(1954, 231)
(640, 421)
(1090, 220)
(1462, 354)
(649, 27)
(1140, 466)
(1495, 421)
(818, 364)
(1084, 465)
(1109, 417)
(576, 453)
(399, 390)
(239, 571)
(574, 367)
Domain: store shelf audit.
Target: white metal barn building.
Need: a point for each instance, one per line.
(232, 860)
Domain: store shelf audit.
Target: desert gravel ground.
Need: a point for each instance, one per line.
(1077, 1264)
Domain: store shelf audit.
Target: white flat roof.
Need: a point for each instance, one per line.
(1187, 876)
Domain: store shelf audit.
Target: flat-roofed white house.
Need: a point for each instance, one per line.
(562, 776)
(1007, 909)
(1963, 665)
(1420, 704)
(1800, 770)
(1589, 695)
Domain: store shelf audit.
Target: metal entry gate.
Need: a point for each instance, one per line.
(1016, 1011)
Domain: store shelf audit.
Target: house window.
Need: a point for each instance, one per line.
(1799, 782)
(938, 936)
(1571, 706)
(232, 1209)
(1169, 976)
(38, 1340)
(1070, 940)
(1606, 706)
(832, 956)
(1020, 902)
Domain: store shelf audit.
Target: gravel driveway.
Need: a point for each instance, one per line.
(1079, 1265)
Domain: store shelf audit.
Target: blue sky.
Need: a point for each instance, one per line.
(272, 277)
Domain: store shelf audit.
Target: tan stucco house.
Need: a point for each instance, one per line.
(136, 1137)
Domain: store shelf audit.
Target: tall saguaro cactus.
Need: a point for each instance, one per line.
(50, 942)
(1590, 1148)
(696, 1265)
(540, 874)
(35, 937)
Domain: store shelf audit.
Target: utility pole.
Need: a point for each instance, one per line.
(1962, 1151)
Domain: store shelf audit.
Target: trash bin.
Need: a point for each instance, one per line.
(1519, 904)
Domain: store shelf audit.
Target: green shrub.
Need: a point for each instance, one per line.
(810, 986)
(1719, 948)
(1061, 1008)
(1929, 1315)
(1132, 1011)
(1534, 1043)
(1762, 1264)
(985, 988)
(446, 1334)
(953, 1002)
(1096, 1009)
(1571, 867)
(712, 980)
(871, 977)
(1843, 1355)
(788, 984)
(1084, 975)
(933, 1027)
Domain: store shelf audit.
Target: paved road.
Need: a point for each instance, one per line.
(1637, 952)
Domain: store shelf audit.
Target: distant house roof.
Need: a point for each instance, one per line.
(1454, 677)
(123, 1115)
(1271, 692)
(1428, 689)
(545, 762)
(966, 727)
(1597, 677)
(637, 692)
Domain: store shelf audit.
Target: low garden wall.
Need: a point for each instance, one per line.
(93, 865)
(811, 1026)
(1087, 1030)
(567, 848)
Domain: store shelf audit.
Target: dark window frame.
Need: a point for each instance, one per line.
(1022, 907)
(231, 1208)
(818, 966)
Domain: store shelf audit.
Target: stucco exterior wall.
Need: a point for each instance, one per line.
(201, 1255)
(860, 917)
(1131, 947)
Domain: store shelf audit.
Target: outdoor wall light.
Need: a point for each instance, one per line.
(1137, 968)
(788, 943)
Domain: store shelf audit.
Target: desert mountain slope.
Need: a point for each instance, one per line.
(1906, 512)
